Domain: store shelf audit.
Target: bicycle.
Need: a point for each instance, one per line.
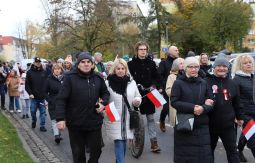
(137, 144)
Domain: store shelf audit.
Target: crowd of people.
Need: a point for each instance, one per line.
(76, 93)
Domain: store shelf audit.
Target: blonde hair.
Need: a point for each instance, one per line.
(116, 63)
(237, 65)
(176, 63)
(57, 66)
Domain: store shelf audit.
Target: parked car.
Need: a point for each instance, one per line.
(24, 62)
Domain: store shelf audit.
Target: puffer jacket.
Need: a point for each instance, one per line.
(120, 130)
(77, 98)
(245, 85)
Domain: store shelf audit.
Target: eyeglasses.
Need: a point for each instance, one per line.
(193, 67)
(142, 49)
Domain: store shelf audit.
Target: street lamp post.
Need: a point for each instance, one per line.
(166, 34)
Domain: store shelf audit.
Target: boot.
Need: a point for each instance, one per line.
(154, 147)
(253, 152)
(242, 157)
(162, 126)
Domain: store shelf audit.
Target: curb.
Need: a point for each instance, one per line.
(36, 148)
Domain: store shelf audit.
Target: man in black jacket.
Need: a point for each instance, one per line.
(79, 105)
(35, 86)
(145, 73)
(164, 70)
(226, 109)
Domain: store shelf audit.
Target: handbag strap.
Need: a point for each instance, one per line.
(126, 101)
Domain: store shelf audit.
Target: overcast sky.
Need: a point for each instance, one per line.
(14, 13)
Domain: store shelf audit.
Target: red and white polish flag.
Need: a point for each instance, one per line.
(112, 112)
(249, 129)
(156, 98)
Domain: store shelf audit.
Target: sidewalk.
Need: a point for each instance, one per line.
(36, 148)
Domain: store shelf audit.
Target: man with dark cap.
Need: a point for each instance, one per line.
(79, 105)
(226, 109)
(35, 86)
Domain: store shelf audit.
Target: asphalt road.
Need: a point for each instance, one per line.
(165, 140)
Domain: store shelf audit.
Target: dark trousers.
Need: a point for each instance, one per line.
(228, 137)
(165, 109)
(2, 94)
(78, 140)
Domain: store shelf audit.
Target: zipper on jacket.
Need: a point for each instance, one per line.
(123, 121)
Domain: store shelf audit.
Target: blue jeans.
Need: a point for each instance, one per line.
(12, 100)
(33, 109)
(120, 150)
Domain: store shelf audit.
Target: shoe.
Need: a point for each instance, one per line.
(19, 111)
(23, 116)
(33, 124)
(162, 126)
(43, 129)
(154, 147)
(242, 157)
(3, 108)
(27, 116)
(58, 139)
(11, 111)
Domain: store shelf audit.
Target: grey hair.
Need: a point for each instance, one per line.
(175, 65)
(98, 54)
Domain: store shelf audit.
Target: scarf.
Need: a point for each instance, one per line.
(118, 84)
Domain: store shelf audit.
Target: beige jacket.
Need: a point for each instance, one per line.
(170, 81)
(13, 86)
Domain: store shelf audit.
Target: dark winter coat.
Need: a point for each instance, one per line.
(36, 82)
(195, 146)
(245, 85)
(165, 68)
(225, 110)
(52, 88)
(204, 70)
(76, 101)
(144, 72)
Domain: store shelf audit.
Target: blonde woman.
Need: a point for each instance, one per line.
(54, 83)
(176, 70)
(121, 86)
(243, 69)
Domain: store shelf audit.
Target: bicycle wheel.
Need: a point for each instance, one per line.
(137, 144)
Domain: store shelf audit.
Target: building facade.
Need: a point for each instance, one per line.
(13, 49)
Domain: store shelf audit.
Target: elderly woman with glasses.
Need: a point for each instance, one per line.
(190, 95)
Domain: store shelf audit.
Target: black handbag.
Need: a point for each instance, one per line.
(134, 120)
(184, 122)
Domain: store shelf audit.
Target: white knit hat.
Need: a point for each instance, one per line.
(190, 60)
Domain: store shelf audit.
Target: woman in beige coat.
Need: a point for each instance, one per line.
(177, 69)
(12, 83)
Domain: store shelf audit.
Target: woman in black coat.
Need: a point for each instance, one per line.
(190, 95)
(54, 83)
(243, 68)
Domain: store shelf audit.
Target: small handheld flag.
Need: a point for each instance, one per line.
(249, 129)
(112, 112)
(156, 98)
